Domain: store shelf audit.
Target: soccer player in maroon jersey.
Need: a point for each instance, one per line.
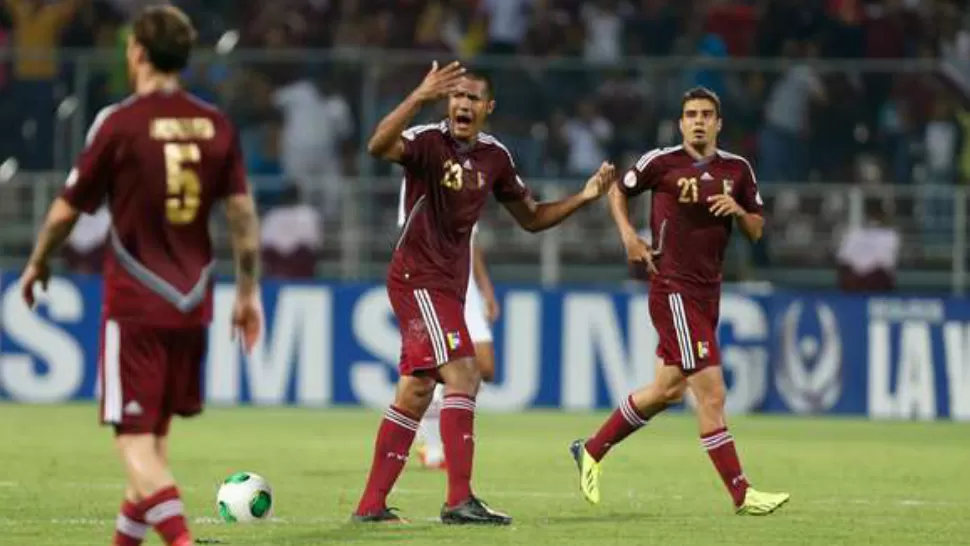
(162, 159)
(450, 169)
(698, 193)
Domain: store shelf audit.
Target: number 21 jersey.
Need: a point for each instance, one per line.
(691, 241)
(162, 161)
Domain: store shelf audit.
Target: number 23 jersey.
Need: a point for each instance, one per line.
(162, 161)
(447, 183)
(691, 241)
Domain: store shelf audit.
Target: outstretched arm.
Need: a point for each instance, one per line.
(386, 142)
(536, 217)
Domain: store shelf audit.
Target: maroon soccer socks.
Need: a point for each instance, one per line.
(624, 421)
(720, 447)
(458, 436)
(130, 527)
(164, 511)
(394, 438)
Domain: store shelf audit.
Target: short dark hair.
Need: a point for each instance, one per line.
(701, 93)
(484, 78)
(167, 35)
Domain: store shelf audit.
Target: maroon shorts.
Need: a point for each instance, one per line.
(433, 330)
(148, 374)
(687, 327)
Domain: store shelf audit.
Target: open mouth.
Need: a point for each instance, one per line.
(463, 119)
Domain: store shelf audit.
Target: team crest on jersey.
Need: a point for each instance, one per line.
(630, 180)
(454, 340)
(703, 349)
(728, 185)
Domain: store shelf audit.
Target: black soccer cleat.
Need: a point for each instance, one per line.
(387, 515)
(473, 512)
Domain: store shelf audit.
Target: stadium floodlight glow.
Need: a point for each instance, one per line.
(227, 42)
(67, 107)
(8, 169)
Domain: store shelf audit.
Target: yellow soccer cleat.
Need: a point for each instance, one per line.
(589, 471)
(758, 503)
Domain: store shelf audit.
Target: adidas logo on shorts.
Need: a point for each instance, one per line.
(133, 408)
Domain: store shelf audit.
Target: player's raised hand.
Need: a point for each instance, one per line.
(33, 273)
(600, 182)
(724, 205)
(439, 82)
(247, 320)
(639, 253)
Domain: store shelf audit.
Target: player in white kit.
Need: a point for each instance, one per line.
(481, 310)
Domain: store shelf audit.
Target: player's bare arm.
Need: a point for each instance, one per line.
(637, 250)
(244, 233)
(484, 282)
(60, 221)
(751, 224)
(438, 83)
(535, 217)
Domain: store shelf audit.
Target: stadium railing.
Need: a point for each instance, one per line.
(805, 223)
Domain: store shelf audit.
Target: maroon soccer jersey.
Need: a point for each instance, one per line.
(446, 185)
(690, 239)
(162, 161)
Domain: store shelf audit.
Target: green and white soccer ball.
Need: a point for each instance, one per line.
(244, 497)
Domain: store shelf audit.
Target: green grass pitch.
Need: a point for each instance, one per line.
(852, 482)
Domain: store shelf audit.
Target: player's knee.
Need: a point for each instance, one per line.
(463, 376)
(712, 402)
(675, 395)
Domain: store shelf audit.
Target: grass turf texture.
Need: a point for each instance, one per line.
(852, 482)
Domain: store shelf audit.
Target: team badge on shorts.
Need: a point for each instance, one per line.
(703, 349)
(454, 340)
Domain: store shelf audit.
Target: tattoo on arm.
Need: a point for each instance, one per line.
(60, 221)
(244, 231)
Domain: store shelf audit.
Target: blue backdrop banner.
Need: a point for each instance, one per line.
(574, 349)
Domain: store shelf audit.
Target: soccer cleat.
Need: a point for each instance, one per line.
(589, 471)
(758, 503)
(432, 458)
(473, 512)
(386, 515)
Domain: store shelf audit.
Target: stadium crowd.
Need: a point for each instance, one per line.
(568, 94)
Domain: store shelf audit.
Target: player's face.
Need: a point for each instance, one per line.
(469, 107)
(699, 122)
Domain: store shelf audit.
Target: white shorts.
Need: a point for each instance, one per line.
(478, 327)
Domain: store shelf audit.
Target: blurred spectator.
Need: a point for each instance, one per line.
(291, 237)
(37, 29)
(84, 251)
(603, 20)
(316, 123)
(588, 136)
(868, 255)
(508, 21)
(784, 139)
(652, 29)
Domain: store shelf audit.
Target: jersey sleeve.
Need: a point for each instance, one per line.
(87, 184)
(509, 185)
(748, 197)
(643, 176)
(235, 183)
(418, 142)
